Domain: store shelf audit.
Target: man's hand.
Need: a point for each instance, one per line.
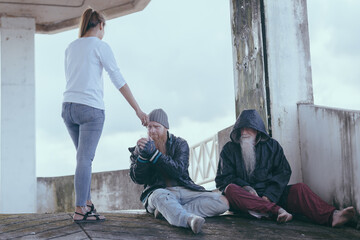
(147, 149)
(141, 142)
(266, 198)
(251, 190)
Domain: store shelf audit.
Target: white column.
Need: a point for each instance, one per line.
(17, 129)
(289, 69)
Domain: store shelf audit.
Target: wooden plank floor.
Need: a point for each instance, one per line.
(139, 225)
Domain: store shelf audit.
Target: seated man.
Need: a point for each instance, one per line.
(160, 162)
(253, 173)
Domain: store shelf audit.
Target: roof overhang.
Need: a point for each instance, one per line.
(52, 16)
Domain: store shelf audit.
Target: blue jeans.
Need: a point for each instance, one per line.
(84, 125)
(177, 204)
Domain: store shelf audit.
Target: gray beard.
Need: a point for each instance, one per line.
(247, 145)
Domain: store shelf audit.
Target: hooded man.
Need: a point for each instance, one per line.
(253, 174)
(160, 163)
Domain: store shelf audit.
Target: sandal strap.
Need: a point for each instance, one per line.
(81, 214)
(92, 208)
(85, 216)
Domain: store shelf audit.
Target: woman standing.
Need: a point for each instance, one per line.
(83, 106)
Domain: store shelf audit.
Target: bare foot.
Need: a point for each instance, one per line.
(283, 216)
(340, 217)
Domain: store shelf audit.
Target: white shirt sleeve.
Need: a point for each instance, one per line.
(109, 63)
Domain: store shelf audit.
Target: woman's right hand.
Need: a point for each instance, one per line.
(143, 117)
(126, 92)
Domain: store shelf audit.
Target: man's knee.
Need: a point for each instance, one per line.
(224, 204)
(230, 188)
(212, 205)
(157, 198)
(160, 194)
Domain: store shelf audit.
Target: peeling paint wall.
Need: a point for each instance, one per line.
(330, 153)
(248, 57)
(109, 191)
(272, 67)
(289, 70)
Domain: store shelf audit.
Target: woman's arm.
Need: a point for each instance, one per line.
(126, 92)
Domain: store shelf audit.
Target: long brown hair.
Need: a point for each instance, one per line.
(90, 19)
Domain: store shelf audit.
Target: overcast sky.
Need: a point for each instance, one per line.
(177, 55)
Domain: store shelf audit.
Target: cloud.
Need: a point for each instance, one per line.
(177, 55)
(57, 156)
(173, 56)
(335, 52)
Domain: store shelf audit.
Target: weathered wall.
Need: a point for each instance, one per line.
(330, 153)
(272, 67)
(223, 137)
(289, 69)
(110, 191)
(249, 73)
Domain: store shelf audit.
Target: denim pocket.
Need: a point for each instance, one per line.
(89, 114)
(98, 115)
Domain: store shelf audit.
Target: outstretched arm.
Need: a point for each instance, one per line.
(108, 61)
(126, 92)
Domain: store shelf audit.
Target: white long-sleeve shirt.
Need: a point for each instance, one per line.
(85, 59)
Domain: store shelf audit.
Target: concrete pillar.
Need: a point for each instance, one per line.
(17, 126)
(249, 72)
(286, 68)
(289, 67)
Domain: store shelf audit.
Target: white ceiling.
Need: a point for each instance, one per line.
(53, 16)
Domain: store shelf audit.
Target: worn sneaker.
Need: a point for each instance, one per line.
(195, 223)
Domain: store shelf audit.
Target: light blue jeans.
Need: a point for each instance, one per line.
(84, 125)
(177, 204)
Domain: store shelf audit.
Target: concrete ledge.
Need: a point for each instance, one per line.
(330, 153)
(111, 191)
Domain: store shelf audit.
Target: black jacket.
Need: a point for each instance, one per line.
(175, 164)
(272, 171)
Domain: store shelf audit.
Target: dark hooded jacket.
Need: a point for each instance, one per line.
(272, 170)
(175, 163)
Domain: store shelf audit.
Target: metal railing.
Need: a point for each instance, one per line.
(203, 161)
